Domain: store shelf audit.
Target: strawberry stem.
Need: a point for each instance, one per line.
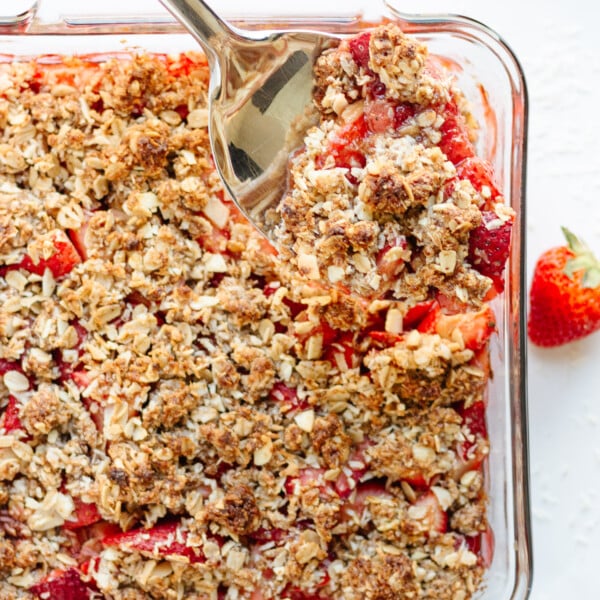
(583, 260)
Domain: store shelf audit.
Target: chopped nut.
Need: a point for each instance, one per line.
(447, 261)
(314, 347)
(443, 496)
(393, 321)
(216, 211)
(263, 454)
(215, 263)
(198, 118)
(422, 454)
(308, 265)
(305, 420)
(308, 547)
(335, 274)
(15, 381)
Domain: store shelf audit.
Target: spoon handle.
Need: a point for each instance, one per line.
(203, 23)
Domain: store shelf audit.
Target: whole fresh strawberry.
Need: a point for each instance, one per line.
(564, 301)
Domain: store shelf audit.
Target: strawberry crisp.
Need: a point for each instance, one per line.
(185, 413)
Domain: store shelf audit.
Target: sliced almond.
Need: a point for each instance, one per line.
(305, 420)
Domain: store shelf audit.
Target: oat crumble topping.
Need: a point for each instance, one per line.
(186, 414)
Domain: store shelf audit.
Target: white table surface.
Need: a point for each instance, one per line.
(558, 44)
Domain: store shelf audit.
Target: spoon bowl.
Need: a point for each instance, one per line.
(260, 99)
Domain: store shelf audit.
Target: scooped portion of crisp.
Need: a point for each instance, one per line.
(387, 197)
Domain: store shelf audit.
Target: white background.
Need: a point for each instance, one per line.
(558, 45)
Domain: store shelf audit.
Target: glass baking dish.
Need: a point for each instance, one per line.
(490, 76)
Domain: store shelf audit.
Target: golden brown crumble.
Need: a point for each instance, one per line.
(236, 512)
(289, 439)
(383, 577)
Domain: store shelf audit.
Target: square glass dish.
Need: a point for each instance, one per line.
(491, 78)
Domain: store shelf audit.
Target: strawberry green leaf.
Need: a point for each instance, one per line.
(583, 260)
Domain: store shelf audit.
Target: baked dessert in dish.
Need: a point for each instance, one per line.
(186, 413)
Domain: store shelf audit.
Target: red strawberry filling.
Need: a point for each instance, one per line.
(60, 262)
(417, 313)
(489, 247)
(385, 338)
(64, 585)
(356, 503)
(392, 258)
(346, 147)
(483, 546)
(77, 237)
(380, 115)
(296, 593)
(215, 241)
(85, 514)
(481, 175)
(359, 48)
(470, 451)
(69, 368)
(9, 420)
(455, 142)
(166, 539)
(341, 487)
(341, 351)
(287, 397)
(428, 512)
(475, 327)
(403, 112)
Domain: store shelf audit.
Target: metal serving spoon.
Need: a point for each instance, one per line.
(259, 98)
